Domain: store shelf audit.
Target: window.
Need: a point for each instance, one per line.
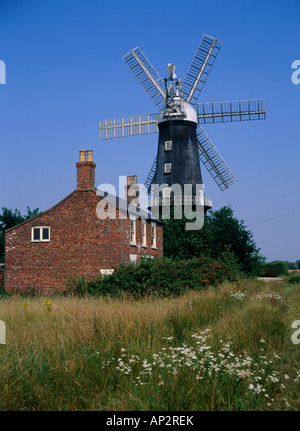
(132, 232)
(167, 192)
(167, 168)
(106, 271)
(201, 197)
(144, 233)
(153, 235)
(133, 258)
(168, 145)
(40, 234)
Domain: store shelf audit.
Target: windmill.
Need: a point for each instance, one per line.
(182, 142)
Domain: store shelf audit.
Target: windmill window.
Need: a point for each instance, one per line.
(167, 192)
(40, 234)
(167, 168)
(201, 197)
(168, 145)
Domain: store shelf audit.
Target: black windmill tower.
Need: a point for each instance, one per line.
(182, 142)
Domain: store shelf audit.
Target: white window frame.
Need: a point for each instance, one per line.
(167, 168)
(168, 145)
(106, 271)
(41, 234)
(167, 192)
(201, 194)
(153, 235)
(144, 233)
(132, 232)
(133, 258)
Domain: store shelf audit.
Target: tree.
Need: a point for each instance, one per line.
(222, 232)
(9, 219)
(292, 265)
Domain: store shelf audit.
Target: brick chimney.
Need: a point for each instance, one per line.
(86, 171)
(132, 189)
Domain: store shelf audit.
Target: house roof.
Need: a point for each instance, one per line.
(121, 204)
(127, 207)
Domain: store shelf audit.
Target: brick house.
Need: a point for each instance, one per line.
(70, 239)
(1, 275)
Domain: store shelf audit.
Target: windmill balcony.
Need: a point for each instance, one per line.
(208, 203)
(178, 200)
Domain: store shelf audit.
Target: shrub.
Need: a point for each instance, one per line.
(220, 231)
(158, 277)
(230, 265)
(294, 280)
(273, 269)
(77, 286)
(3, 292)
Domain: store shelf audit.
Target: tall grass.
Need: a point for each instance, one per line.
(224, 349)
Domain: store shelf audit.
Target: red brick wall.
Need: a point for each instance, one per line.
(1, 278)
(81, 244)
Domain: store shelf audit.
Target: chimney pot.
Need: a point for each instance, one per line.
(89, 155)
(82, 156)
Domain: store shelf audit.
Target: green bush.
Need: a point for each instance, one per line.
(158, 277)
(3, 292)
(273, 269)
(77, 286)
(294, 280)
(231, 268)
(221, 231)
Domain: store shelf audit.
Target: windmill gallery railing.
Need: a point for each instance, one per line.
(178, 200)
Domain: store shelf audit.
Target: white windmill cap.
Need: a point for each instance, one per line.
(190, 112)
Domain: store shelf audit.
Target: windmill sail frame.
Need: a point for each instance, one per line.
(200, 68)
(146, 75)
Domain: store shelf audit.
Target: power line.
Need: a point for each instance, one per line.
(272, 218)
(288, 257)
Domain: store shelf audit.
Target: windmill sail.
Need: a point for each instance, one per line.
(151, 174)
(146, 75)
(128, 126)
(213, 162)
(238, 110)
(200, 67)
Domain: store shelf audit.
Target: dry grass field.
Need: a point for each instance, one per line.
(221, 349)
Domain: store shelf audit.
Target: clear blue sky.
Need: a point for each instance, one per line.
(65, 73)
